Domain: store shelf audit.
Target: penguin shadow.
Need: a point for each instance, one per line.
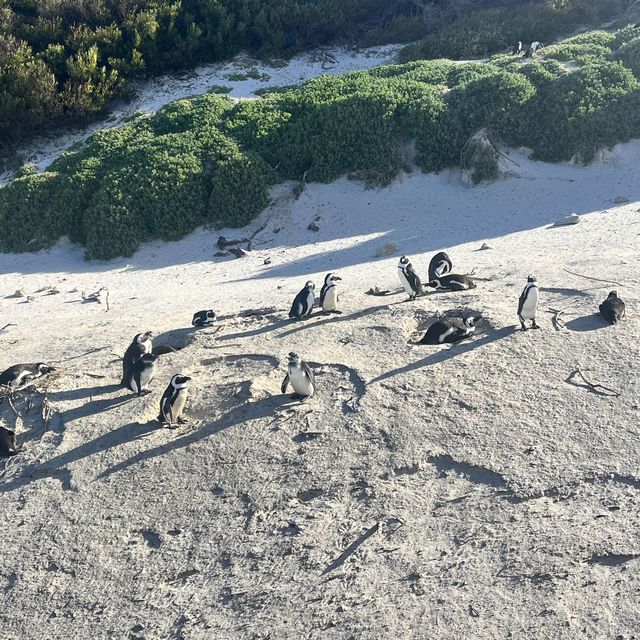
(81, 394)
(442, 355)
(320, 320)
(241, 414)
(94, 407)
(562, 291)
(276, 324)
(127, 433)
(592, 322)
(175, 339)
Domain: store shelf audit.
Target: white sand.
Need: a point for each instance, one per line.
(476, 492)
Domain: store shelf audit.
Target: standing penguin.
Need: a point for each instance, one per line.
(142, 373)
(612, 309)
(140, 345)
(203, 318)
(452, 282)
(450, 330)
(303, 302)
(409, 278)
(172, 401)
(517, 49)
(300, 376)
(329, 294)
(21, 374)
(528, 303)
(440, 265)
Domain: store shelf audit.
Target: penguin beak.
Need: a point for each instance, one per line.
(336, 278)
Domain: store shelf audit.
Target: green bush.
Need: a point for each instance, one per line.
(209, 160)
(481, 33)
(564, 110)
(629, 55)
(577, 53)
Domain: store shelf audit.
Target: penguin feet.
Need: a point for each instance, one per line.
(183, 420)
(534, 325)
(523, 327)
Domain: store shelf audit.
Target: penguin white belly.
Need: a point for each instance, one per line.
(530, 306)
(311, 298)
(404, 282)
(330, 302)
(300, 382)
(133, 385)
(175, 411)
(146, 376)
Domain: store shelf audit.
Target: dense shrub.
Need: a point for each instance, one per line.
(481, 33)
(577, 53)
(629, 55)
(61, 60)
(209, 160)
(567, 107)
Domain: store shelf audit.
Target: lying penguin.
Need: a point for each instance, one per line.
(303, 302)
(203, 318)
(329, 294)
(21, 374)
(409, 278)
(452, 282)
(301, 377)
(173, 401)
(450, 330)
(439, 266)
(612, 309)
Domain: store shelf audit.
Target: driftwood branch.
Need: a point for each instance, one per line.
(573, 273)
(598, 388)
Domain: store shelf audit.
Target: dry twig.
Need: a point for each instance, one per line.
(598, 388)
(573, 273)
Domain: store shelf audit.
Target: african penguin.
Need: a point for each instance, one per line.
(612, 309)
(303, 302)
(440, 265)
(300, 376)
(173, 399)
(450, 330)
(409, 278)
(452, 282)
(528, 303)
(518, 48)
(21, 374)
(142, 373)
(329, 294)
(8, 446)
(140, 345)
(203, 318)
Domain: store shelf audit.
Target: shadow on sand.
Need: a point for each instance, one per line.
(592, 322)
(442, 355)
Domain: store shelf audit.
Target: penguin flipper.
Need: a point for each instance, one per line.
(285, 384)
(308, 372)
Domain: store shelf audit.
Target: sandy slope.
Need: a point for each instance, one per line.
(425, 492)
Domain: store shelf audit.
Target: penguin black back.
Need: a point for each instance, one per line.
(303, 302)
(440, 265)
(613, 308)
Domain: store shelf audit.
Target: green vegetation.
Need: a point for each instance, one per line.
(62, 60)
(482, 33)
(210, 160)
